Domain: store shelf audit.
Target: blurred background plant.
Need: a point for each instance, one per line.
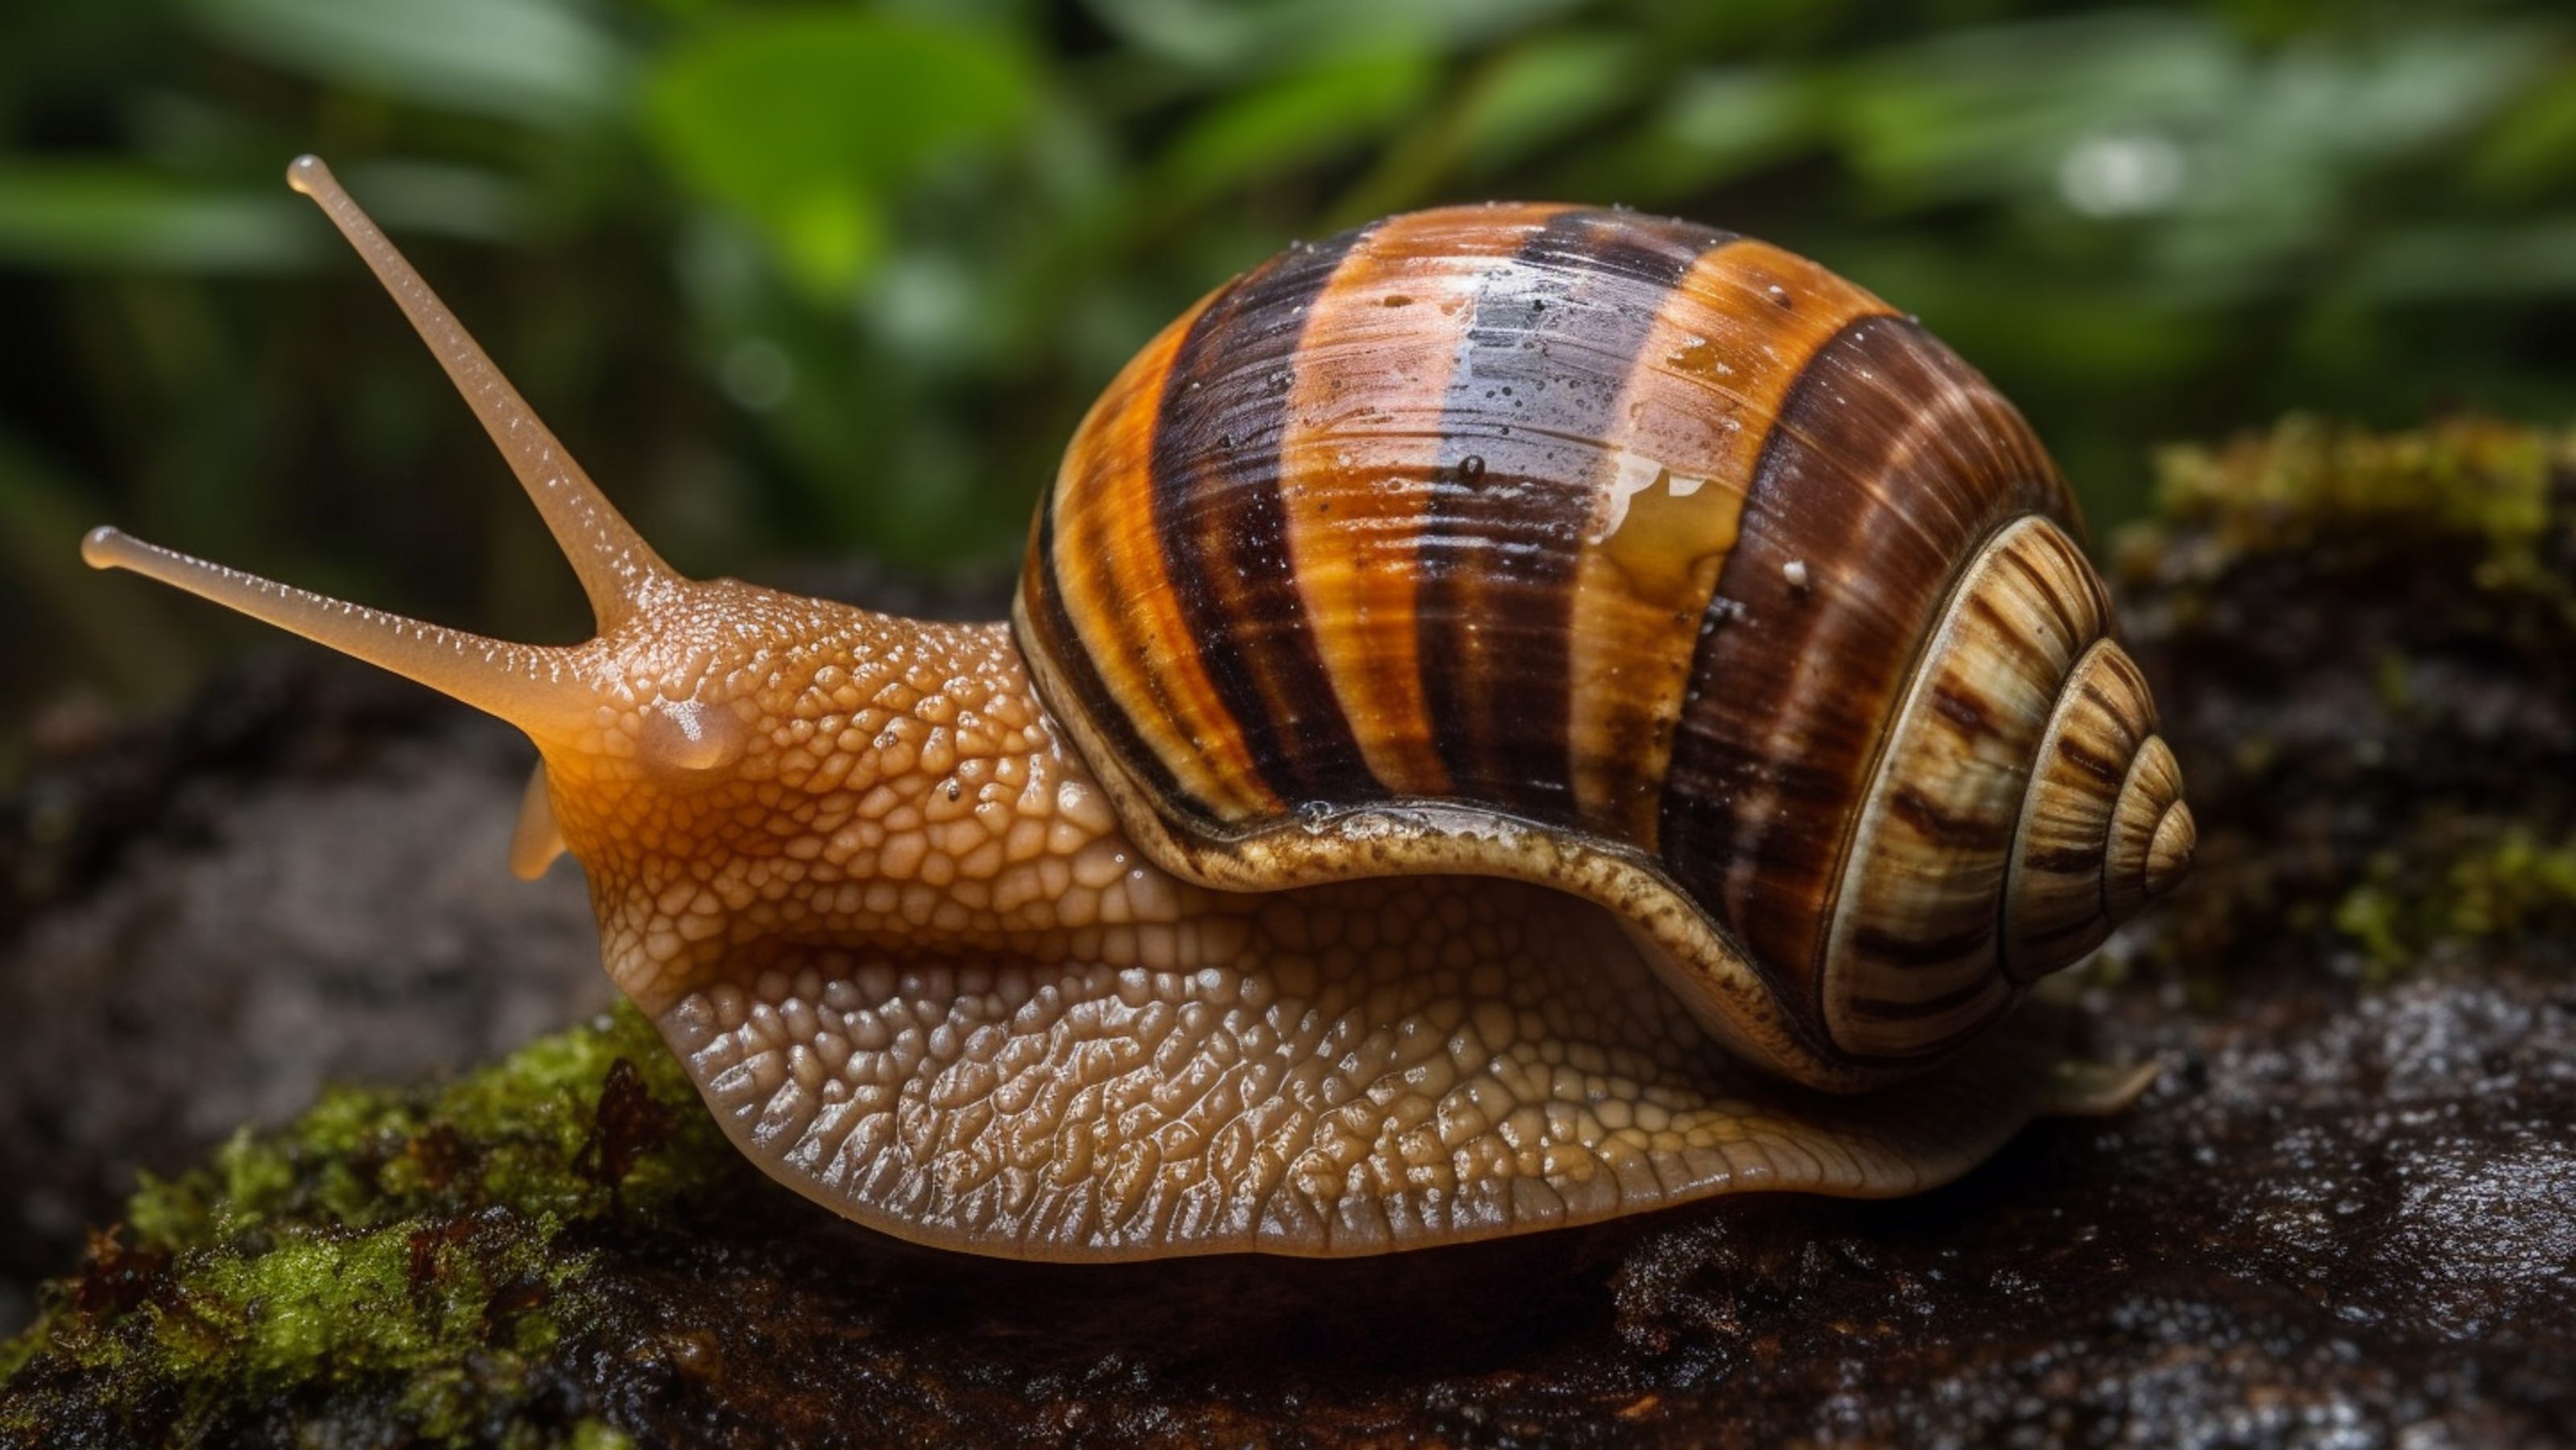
(808, 282)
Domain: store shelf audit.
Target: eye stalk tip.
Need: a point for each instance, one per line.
(307, 174)
(105, 547)
(612, 560)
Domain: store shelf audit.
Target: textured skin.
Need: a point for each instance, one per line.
(856, 781)
(1365, 1067)
(922, 976)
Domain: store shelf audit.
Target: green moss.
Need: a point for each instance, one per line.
(430, 1242)
(2477, 480)
(2369, 914)
(2519, 886)
(2277, 490)
(2508, 886)
(2435, 566)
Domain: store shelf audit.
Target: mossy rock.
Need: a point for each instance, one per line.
(2366, 653)
(418, 1252)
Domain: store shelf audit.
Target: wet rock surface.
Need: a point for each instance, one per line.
(2345, 1215)
(204, 921)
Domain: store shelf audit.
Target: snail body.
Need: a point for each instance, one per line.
(1445, 650)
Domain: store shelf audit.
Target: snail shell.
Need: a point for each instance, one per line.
(1443, 649)
(1627, 556)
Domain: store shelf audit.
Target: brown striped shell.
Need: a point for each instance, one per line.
(1627, 556)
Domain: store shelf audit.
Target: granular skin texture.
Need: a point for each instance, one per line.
(925, 977)
(1383, 1064)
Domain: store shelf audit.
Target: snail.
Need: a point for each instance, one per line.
(1512, 715)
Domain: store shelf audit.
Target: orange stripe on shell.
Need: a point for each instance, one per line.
(1363, 446)
(1704, 394)
(1109, 560)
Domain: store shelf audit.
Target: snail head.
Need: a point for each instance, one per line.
(652, 727)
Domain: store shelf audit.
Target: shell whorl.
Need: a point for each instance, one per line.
(1586, 547)
(2022, 768)
(2104, 830)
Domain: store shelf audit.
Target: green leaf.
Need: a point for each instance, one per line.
(1542, 92)
(536, 61)
(2455, 261)
(1304, 117)
(807, 123)
(108, 216)
(1233, 36)
(1719, 124)
(1993, 112)
(2532, 146)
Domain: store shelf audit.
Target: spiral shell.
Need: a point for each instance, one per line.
(1628, 556)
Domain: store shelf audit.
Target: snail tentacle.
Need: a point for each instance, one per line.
(524, 684)
(617, 568)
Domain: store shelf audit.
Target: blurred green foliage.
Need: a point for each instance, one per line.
(810, 280)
